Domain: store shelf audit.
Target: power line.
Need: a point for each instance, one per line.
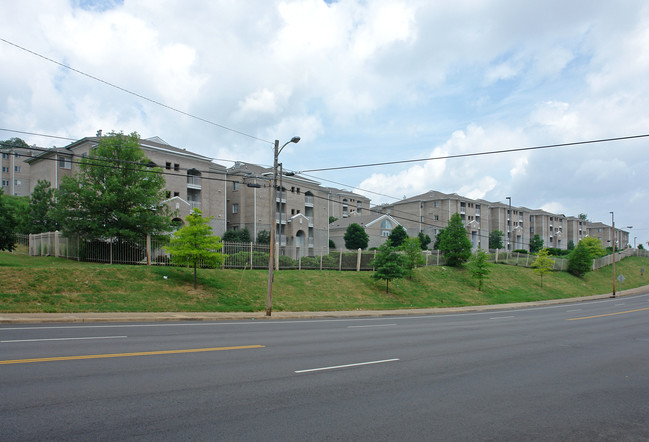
(135, 93)
(493, 152)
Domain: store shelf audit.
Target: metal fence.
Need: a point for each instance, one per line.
(151, 251)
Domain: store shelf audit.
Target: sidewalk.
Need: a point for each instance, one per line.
(37, 318)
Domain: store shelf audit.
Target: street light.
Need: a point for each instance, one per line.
(613, 227)
(509, 216)
(273, 214)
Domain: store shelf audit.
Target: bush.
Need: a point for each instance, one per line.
(520, 251)
(554, 251)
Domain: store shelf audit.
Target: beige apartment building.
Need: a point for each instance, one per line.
(192, 180)
(431, 211)
(303, 208)
(15, 175)
(378, 227)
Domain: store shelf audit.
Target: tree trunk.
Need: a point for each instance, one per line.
(194, 275)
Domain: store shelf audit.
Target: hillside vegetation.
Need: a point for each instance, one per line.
(31, 284)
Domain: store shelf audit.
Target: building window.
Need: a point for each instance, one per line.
(235, 185)
(5, 156)
(5, 169)
(168, 165)
(436, 217)
(235, 208)
(176, 193)
(17, 168)
(65, 163)
(168, 193)
(5, 183)
(176, 167)
(18, 183)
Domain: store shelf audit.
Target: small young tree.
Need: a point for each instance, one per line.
(454, 244)
(536, 244)
(478, 266)
(7, 226)
(412, 257)
(580, 261)
(496, 239)
(356, 237)
(388, 264)
(194, 244)
(398, 236)
(543, 264)
(424, 240)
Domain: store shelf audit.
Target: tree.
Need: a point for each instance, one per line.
(640, 246)
(398, 236)
(438, 239)
(424, 240)
(13, 142)
(583, 216)
(41, 205)
(594, 246)
(412, 257)
(263, 237)
(543, 264)
(7, 226)
(478, 266)
(580, 261)
(332, 219)
(388, 264)
(536, 243)
(571, 245)
(454, 244)
(356, 237)
(116, 193)
(194, 244)
(496, 239)
(18, 206)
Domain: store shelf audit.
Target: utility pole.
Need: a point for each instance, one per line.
(613, 235)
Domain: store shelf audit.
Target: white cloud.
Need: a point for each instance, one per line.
(360, 82)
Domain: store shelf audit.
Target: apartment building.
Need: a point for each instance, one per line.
(303, 207)
(607, 235)
(577, 229)
(430, 212)
(378, 227)
(191, 180)
(15, 175)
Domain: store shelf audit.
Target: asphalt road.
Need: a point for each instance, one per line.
(561, 372)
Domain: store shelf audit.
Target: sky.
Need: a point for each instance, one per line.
(361, 82)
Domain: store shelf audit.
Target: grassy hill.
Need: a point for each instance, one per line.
(58, 285)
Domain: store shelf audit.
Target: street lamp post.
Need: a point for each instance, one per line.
(509, 228)
(613, 234)
(273, 213)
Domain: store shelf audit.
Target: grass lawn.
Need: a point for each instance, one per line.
(40, 284)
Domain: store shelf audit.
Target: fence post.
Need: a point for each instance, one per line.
(497, 255)
(340, 261)
(148, 249)
(321, 256)
(251, 254)
(358, 261)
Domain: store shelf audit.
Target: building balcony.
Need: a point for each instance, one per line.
(308, 201)
(194, 182)
(194, 205)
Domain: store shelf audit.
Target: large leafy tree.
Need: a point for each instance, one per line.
(536, 243)
(356, 237)
(388, 264)
(496, 239)
(580, 260)
(398, 236)
(194, 245)
(594, 246)
(41, 206)
(454, 244)
(7, 226)
(116, 193)
(18, 206)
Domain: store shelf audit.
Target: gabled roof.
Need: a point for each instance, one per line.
(363, 220)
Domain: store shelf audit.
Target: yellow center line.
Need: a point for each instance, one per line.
(124, 355)
(609, 314)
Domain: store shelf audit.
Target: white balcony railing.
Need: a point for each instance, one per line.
(193, 182)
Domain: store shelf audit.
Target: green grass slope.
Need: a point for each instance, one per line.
(34, 284)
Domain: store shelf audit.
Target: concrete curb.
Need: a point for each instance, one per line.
(38, 318)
